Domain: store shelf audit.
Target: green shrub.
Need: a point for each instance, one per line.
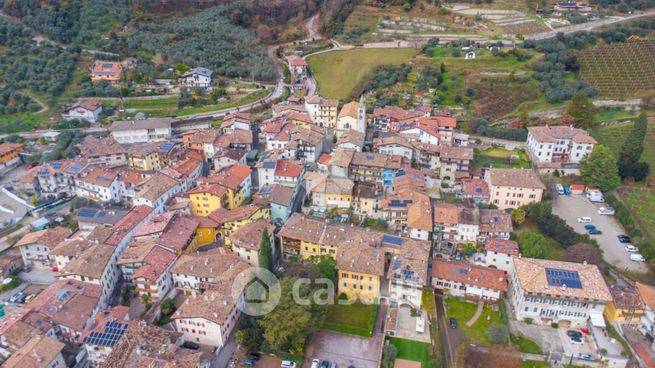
(528, 320)
(554, 325)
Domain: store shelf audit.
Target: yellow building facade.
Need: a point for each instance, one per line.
(231, 226)
(207, 199)
(147, 162)
(364, 287)
(9, 152)
(624, 315)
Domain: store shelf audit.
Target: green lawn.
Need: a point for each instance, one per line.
(499, 157)
(619, 115)
(354, 319)
(159, 103)
(526, 345)
(463, 311)
(534, 364)
(8, 125)
(613, 136)
(339, 72)
(412, 350)
(641, 202)
(252, 97)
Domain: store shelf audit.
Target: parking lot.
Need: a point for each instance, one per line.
(573, 206)
(571, 349)
(345, 350)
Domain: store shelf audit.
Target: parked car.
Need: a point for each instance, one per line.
(325, 364)
(190, 345)
(29, 298)
(458, 256)
(288, 364)
(573, 333)
(19, 297)
(584, 219)
(637, 257)
(624, 239)
(631, 248)
(567, 190)
(606, 211)
(315, 363)
(246, 363)
(595, 232)
(559, 188)
(453, 322)
(590, 227)
(577, 341)
(333, 365)
(585, 356)
(595, 196)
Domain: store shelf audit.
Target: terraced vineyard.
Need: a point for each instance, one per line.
(620, 70)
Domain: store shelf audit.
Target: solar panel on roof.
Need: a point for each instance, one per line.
(75, 168)
(265, 190)
(167, 146)
(463, 271)
(559, 277)
(104, 178)
(391, 240)
(109, 337)
(56, 165)
(269, 164)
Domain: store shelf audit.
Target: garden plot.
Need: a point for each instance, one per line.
(409, 25)
(512, 21)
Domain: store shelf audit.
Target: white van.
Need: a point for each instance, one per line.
(631, 248)
(637, 257)
(288, 364)
(595, 196)
(584, 220)
(609, 211)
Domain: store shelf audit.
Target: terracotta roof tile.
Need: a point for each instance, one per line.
(50, 237)
(470, 274)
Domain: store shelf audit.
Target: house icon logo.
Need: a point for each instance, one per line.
(257, 291)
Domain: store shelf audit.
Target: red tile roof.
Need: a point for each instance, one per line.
(157, 261)
(470, 274)
(502, 246)
(132, 219)
(288, 169)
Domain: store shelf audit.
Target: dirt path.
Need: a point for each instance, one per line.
(476, 315)
(312, 28)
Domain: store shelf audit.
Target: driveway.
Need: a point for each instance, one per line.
(545, 336)
(452, 337)
(571, 207)
(345, 350)
(406, 326)
(40, 276)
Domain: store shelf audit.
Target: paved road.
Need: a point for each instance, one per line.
(227, 353)
(589, 25)
(571, 207)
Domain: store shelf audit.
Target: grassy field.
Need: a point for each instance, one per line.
(463, 311)
(641, 202)
(619, 115)
(339, 72)
(534, 364)
(252, 97)
(354, 319)
(621, 69)
(526, 345)
(412, 350)
(159, 103)
(499, 157)
(7, 122)
(613, 136)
